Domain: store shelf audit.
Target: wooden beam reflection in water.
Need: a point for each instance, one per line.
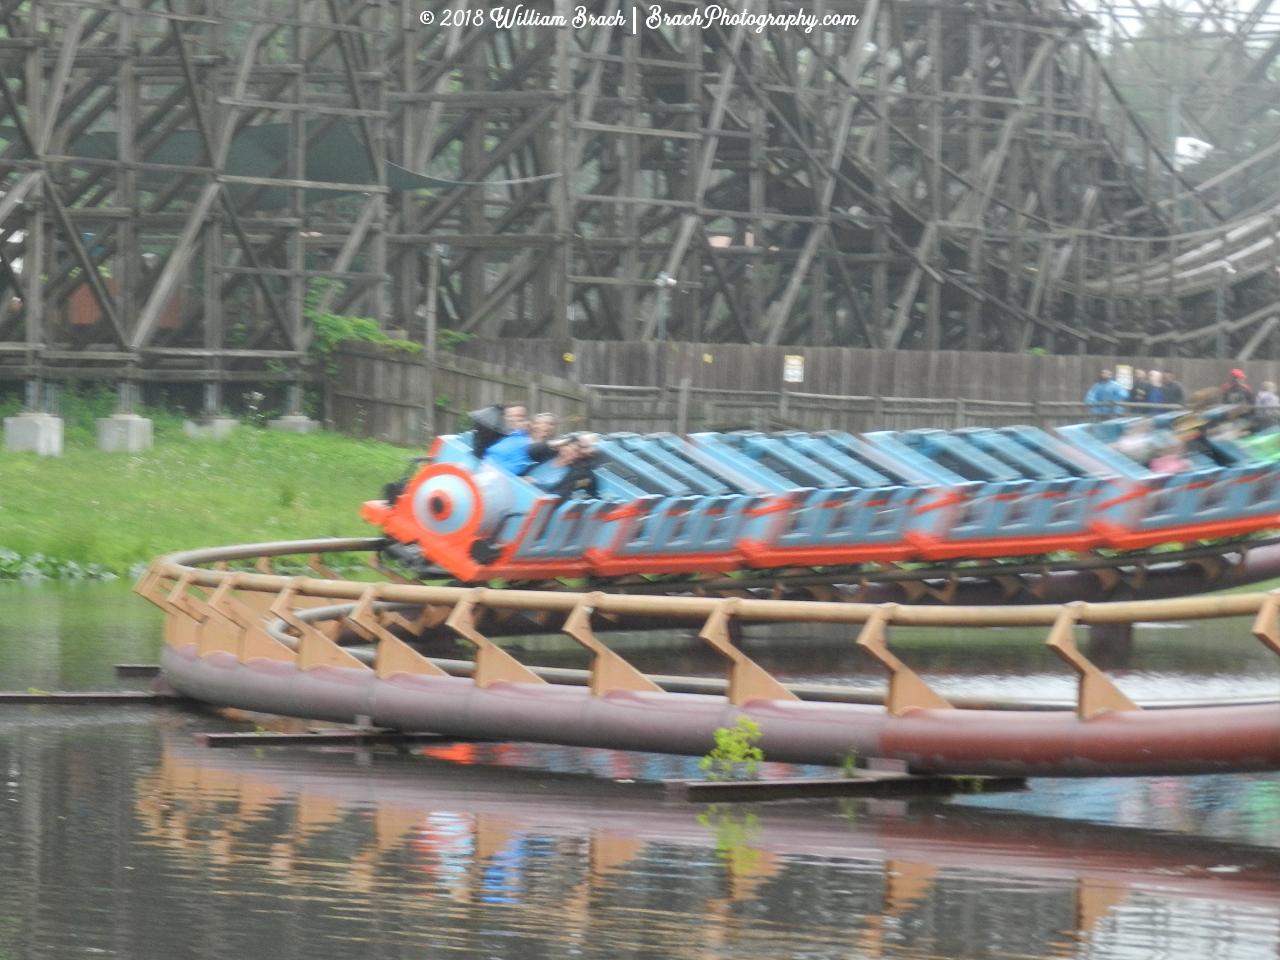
(480, 844)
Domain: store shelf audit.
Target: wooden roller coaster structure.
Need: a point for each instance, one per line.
(180, 180)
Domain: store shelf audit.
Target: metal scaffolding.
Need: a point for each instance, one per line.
(187, 183)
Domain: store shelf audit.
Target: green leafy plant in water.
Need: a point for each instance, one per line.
(849, 809)
(733, 836)
(849, 767)
(735, 755)
(37, 566)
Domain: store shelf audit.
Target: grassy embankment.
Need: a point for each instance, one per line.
(117, 510)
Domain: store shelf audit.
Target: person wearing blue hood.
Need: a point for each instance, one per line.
(1105, 396)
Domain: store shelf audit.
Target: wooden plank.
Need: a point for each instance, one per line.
(89, 697)
(319, 738)
(867, 784)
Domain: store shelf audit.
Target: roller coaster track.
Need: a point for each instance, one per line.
(1245, 244)
(1019, 580)
(258, 640)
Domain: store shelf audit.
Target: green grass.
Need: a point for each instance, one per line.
(120, 509)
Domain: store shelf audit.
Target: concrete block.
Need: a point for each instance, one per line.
(209, 428)
(34, 433)
(294, 423)
(124, 433)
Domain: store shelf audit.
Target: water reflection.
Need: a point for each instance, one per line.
(564, 864)
(69, 636)
(122, 837)
(1245, 807)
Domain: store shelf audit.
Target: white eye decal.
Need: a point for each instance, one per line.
(444, 504)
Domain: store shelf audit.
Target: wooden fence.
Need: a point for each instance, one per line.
(383, 394)
(845, 371)
(688, 409)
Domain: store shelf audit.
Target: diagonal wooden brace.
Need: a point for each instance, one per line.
(906, 690)
(314, 648)
(747, 679)
(218, 633)
(147, 583)
(151, 587)
(190, 620)
(1097, 693)
(316, 564)
(1010, 585)
(492, 662)
(609, 671)
(393, 654)
(254, 643)
(1267, 625)
(386, 571)
(179, 599)
(945, 594)
(181, 627)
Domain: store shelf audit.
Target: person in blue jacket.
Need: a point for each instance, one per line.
(518, 452)
(1105, 396)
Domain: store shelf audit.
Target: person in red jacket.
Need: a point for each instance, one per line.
(1235, 391)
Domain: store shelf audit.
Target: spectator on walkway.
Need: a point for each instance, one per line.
(1141, 389)
(1235, 391)
(1155, 393)
(1105, 396)
(1267, 407)
(1171, 390)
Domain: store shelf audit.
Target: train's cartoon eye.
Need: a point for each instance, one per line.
(444, 504)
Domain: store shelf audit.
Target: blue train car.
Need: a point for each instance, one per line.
(719, 502)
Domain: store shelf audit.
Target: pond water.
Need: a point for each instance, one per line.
(122, 838)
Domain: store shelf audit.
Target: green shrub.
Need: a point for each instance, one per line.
(735, 755)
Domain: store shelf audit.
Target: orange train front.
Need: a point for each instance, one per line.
(720, 502)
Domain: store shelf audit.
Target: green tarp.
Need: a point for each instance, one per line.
(337, 154)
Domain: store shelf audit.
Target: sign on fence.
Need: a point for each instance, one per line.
(793, 368)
